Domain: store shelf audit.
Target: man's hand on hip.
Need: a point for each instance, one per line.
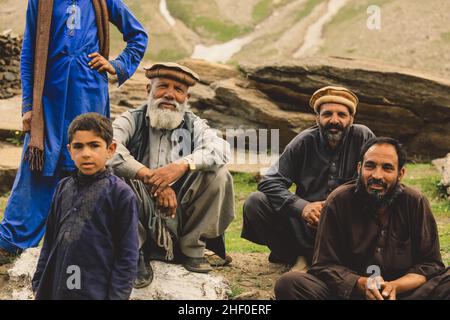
(100, 63)
(311, 213)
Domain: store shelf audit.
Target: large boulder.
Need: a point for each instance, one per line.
(413, 107)
(171, 282)
(401, 103)
(233, 105)
(10, 46)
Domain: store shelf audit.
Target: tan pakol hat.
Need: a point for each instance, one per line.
(332, 94)
(173, 71)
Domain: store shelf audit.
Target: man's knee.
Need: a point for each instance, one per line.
(442, 291)
(287, 287)
(223, 176)
(255, 202)
(222, 180)
(300, 286)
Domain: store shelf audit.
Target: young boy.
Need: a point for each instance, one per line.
(90, 249)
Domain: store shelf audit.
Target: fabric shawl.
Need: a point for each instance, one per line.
(35, 151)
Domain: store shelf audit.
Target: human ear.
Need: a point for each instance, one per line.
(69, 148)
(112, 149)
(401, 173)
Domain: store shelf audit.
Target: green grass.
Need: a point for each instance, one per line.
(244, 184)
(217, 29)
(204, 18)
(181, 10)
(445, 36)
(426, 178)
(235, 290)
(3, 200)
(308, 8)
(358, 11)
(262, 10)
(169, 55)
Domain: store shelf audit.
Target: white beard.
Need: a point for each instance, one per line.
(164, 118)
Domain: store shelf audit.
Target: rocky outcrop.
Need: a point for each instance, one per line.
(413, 107)
(232, 104)
(170, 282)
(10, 47)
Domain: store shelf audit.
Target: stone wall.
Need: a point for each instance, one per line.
(10, 47)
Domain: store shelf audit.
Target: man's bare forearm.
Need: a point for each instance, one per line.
(409, 282)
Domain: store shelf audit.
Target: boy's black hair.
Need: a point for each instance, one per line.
(401, 152)
(92, 122)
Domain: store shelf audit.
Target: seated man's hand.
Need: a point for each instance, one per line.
(167, 201)
(161, 178)
(145, 174)
(389, 291)
(371, 287)
(311, 213)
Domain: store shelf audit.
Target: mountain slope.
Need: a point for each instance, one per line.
(413, 34)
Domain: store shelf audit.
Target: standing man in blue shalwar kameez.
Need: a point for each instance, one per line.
(74, 80)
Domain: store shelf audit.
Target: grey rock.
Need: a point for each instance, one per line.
(395, 102)
(171, 282)
(443, 165)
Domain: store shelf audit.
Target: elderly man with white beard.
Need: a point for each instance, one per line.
(175, 163)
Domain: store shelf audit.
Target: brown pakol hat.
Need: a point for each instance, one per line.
(173, 71)
(332, 94)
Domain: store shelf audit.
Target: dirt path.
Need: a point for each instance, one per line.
(251, 275)
(5, 289)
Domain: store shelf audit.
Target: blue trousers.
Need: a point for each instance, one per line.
(26, 212)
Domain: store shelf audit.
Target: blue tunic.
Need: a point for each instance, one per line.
(91, 245)
(71, 88)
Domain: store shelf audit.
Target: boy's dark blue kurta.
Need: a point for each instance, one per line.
(92, 227)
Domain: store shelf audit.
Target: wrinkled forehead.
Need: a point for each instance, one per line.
(163, 80)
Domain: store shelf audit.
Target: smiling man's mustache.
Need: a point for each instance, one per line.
(167, 102)
(165, 118)
(373, 181)
(330, 126)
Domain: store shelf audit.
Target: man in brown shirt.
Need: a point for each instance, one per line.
(377, 238)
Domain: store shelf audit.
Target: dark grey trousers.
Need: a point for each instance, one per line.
(304, 286)
(287, 237)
